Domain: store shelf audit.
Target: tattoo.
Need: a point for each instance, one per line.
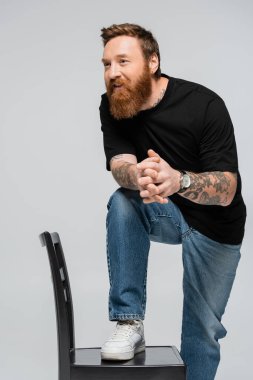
(125, 176)
(209, 188)
(160, 98)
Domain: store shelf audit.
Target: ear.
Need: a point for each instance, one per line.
(153, 63)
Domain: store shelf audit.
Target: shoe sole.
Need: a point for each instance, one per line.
(121, 355)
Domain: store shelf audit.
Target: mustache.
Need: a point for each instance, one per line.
(116, 82)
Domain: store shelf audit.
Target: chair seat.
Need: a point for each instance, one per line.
(155, 363)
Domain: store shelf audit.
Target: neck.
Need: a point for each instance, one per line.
(158, 89)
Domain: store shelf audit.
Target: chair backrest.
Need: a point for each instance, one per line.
(62, 295)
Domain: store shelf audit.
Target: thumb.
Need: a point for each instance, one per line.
(152, 153)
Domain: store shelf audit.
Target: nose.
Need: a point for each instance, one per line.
(114, 71)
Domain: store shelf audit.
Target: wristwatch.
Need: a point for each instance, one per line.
(185, 181)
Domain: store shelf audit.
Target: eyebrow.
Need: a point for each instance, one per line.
(118, 56)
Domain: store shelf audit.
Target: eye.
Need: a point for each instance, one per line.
(106, 64)
(123, 61)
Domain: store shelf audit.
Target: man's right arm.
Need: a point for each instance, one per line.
(124, 171)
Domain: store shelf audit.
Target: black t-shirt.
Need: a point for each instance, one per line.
(191, 129)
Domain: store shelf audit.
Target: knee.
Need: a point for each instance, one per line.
(120, 202)
(117, 198)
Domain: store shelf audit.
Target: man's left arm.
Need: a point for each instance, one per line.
(207, 188)
(211, 188)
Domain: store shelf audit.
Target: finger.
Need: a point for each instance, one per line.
(150, 191)
(159, 198)
(156, 199)
(148, 200)
(152, 153)
(150, 173)
(150, 159)
(154, 159)
(148, 165)
(145, 194)
(143, 181)
(164, 190)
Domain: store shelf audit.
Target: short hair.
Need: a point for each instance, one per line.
(148, 43)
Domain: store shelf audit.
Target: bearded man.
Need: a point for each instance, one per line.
(170, 146)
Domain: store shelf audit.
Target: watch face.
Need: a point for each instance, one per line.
(186, 181)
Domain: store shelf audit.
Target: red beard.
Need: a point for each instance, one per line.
(126, 101)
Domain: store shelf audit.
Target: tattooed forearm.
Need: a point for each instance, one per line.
(211, 188)
(115, 158)
(125, 175)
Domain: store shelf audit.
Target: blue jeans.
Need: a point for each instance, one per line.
(209, 272)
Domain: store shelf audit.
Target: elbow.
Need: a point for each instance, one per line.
(229, 199)
(233, 186)
(227, 202)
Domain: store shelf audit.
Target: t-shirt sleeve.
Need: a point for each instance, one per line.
(217, 143)
(115, 141)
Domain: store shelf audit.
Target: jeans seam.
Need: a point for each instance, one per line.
(143, 305)
(187, 233)
(108, 264)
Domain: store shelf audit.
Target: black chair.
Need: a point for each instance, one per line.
(156, 363)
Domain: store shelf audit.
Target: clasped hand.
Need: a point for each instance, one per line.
(156, 179)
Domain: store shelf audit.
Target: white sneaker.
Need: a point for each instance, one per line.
(126, 341)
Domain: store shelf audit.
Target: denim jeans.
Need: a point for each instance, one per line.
(209, 272)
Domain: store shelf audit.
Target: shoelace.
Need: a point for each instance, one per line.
(123, 329)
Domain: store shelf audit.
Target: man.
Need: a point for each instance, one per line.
(170, 146)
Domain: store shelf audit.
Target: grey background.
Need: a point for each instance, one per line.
(53, 173)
